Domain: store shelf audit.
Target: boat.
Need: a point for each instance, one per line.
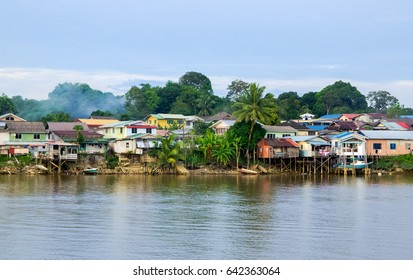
(90, 170)
(358, 164)
(41, 167)
(248, 171)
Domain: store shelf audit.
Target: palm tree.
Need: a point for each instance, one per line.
(207, 143)
(205, 105)
(253, 106)
(169, 153)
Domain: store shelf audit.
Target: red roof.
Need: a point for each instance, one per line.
(351, 116)
(279, 142)
(403, 124)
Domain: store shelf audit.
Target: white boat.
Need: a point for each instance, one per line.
(90, 171)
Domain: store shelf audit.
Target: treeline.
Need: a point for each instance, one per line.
(193, 95)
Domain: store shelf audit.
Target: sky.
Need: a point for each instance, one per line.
(294, 45)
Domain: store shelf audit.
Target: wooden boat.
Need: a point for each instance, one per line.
(248, 171)
(90, 171)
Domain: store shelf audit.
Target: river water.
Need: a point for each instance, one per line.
(206, 217)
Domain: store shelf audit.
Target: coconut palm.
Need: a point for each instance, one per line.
(253, 106)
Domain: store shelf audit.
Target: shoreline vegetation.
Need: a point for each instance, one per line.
(25, 165)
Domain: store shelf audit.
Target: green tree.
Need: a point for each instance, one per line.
(395, 110)
(381, 100)
(101, 113)
(168, 95)
(197, 80)
(290, 102)
(168, 153)
(142, 101)
(205, 105)
(223, 151)
(207, 143)
(6, 105)
(236, 88)
(244, 141)
(56, 117)
(252, 106)
(340, 94)
(79, 135)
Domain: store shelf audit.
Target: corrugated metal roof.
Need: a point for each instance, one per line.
(65, 126)
(22, 127)
(278, 128)
(388, 134)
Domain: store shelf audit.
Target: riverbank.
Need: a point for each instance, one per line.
(139, 169)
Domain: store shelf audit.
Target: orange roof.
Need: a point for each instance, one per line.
(96, 122)
(351, 116)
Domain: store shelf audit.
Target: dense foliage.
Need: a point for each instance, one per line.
(193, 95)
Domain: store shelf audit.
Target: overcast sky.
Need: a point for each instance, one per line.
(284, 45)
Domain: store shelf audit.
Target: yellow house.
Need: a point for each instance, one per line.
(165, 121)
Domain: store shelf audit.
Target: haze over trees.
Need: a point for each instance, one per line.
(193, 95)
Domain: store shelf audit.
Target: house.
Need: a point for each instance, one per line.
(307, 116)
(348, 117)
(120, 130)
(19, 136)
(343, 126)
(312, 146)
(277, 148)
(348, 144)
(11, 117)
(190, 121)
(218, 117)
(95, 123)
(388, 143)
(277, 131)
(387, 125)
(301, 128)
(370, 118)
(92, 143)
(135, 145)
(331, 116)
(222, 126)
(166, 121)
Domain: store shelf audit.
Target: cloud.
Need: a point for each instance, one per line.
(37, 83)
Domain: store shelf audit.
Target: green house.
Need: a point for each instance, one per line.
(26, 133)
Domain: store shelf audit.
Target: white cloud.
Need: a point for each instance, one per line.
(36, 83)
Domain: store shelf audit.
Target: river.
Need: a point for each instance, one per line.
(206, 217)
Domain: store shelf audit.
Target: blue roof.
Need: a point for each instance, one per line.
(331, 116)
(317, 127)
(341, 135)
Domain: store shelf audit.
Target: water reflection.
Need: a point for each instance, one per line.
(206, 217)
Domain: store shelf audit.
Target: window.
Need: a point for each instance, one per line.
(121, 130)
(270, 136)
(18, 136)
(392, 146)
(36, 136)
(127, 145)
(134, 130)
(149, 130)
(286, 135)
(376, 146)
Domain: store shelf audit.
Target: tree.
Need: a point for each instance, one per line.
(252, 106)
(381, 100)
(205, 105)
(79, 135)
(197, 80)
(141, 102)
(339, 94)
(169, 153)
(223, 152)
(236, 88)
(6, 105)
(244, 141)
(290, 103)
(206, 143)
(395, 110)
(168, 95)
(56, 117)
(101, 113)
